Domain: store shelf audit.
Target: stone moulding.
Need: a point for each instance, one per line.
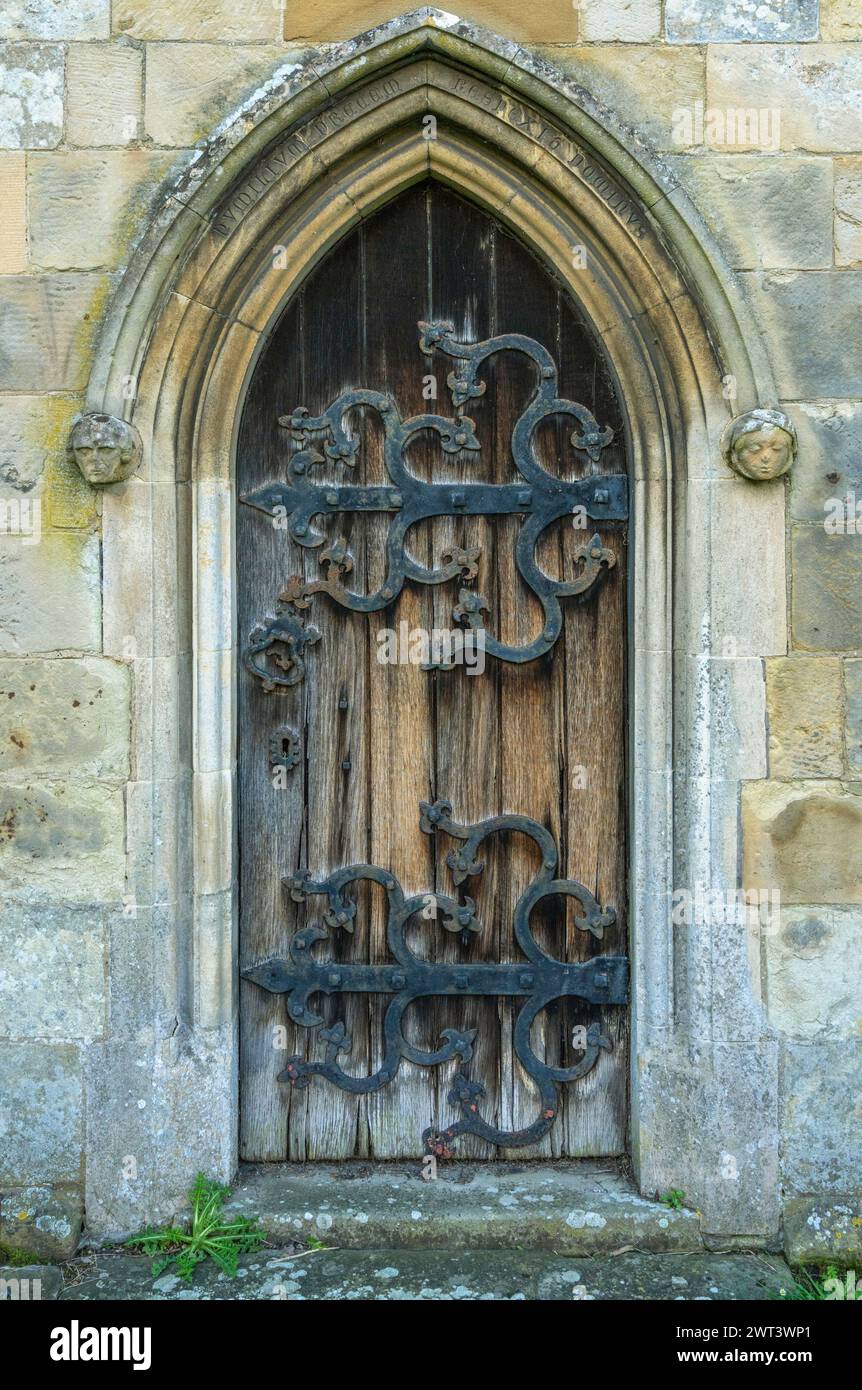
(319, 146)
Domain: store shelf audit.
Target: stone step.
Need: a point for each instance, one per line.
(574, 1208)
(468, 1275)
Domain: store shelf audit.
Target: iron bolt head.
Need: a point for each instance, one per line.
(332, 498)
(601, 495)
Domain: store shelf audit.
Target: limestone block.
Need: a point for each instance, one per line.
(34, 432)
(746, 530)
(13, 223)
(848, 212)
(824, 1230)
(803, 839)
(821, 1116)
(710, 1128)
(725, 21)
(853, 701)
(222, 21)
(642, 84)
(73, 192)
(136, 1097)
(31, 96)
(47, 330)
(104, 94)
(840, 20)
(813, 973)
(41, 1114)
(52, 984)
(44, 1222)
(50, 597)
(185, 99)
(619, 21)
(744, 199)
(321, 20)
(33, 461)
(59, 717)
(809, 320)
(827, 589)
(46, 19)
(805, 705)
(813, 87)
(828, 466)
(62, 841)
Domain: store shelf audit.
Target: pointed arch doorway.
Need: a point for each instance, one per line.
(319, 148)
(373, 733)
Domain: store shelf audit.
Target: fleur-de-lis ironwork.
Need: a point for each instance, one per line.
(539, 496)
(538, 979)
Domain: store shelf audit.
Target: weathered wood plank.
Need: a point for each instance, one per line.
(379, 738)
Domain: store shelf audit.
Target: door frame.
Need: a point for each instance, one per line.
(273, 189)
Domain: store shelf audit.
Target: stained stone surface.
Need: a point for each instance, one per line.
(50, 593)
(813, 985)
(828, 468)
(52, 983)
(853, 694)
(826, 589)
(62, 841)
(723, 21)
(824, 1230)
(104, 91)
(821, 1107)
(58, 717)
(48, 19)
(444, 1275)
(588, 1208)
(743, 198)
(31, 96)
(814, 87)
(804, 701)
(42, 1222)
(803, 838)
(41, 1114)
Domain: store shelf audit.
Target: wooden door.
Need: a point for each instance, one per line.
(334, 765)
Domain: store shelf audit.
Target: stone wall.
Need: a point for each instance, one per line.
(99, 104)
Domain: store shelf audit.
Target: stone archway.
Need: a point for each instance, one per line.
(276, 186)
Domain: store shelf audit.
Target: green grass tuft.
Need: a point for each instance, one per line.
(210, 1235)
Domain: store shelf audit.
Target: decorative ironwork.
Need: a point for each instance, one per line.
(539, 979)
(538, 496)
(285, 748)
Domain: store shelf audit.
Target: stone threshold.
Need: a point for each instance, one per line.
(430, 1275)
(577, 1208)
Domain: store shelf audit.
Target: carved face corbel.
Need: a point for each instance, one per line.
(105, 448)
(759, 445)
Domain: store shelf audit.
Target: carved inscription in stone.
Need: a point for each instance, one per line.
(283, 158)
(530, 123)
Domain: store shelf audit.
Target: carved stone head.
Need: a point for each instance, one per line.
(105, 448)
(759, 445)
